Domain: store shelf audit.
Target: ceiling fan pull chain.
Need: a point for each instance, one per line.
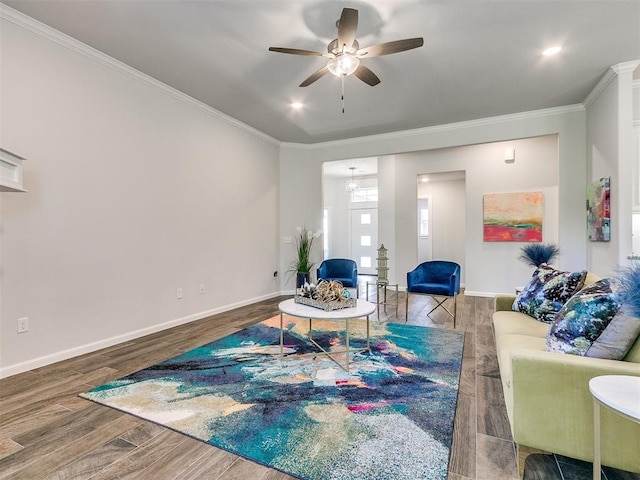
(342, 96)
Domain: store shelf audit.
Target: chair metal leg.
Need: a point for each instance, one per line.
(406, 308)
(441, 304)
(455, 309)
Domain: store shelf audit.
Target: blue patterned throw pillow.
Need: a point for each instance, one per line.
(547, 291)
(583, 319)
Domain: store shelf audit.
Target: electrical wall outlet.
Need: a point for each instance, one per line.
(179, 293)
(201, 289)
(23, 325)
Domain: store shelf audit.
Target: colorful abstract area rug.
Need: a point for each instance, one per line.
(391, 417)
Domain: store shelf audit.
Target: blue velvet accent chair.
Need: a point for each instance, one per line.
(437, 278)
(343, 270)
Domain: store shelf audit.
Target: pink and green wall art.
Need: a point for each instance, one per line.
(599, 210)
(512, 217)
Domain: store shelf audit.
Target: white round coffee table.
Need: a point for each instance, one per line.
(619, 393)
(362, 309)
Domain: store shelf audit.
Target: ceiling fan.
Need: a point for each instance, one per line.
(344, 52)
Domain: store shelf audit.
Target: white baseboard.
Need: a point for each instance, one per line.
(471, 293)
(108, 342)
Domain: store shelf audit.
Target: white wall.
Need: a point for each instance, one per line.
(489, 269)
(610, 153)
(635, 158)
(387, 208)
(602, 155)
(336, 200)
(301, 201)
(636, 97)
(133, 193)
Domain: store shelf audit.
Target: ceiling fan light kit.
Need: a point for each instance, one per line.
(345, 53)
(343, 65)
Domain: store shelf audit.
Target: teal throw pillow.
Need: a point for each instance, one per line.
(584, 319)
(547, 291)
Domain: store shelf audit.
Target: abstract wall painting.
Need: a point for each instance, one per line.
(599, 210)
(512, 217)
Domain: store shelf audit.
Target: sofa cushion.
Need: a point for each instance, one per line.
(547, 291)
(590, 279)
(509, 344)
(506, 346)
(505, 323)
(633, 355)
(592, 324)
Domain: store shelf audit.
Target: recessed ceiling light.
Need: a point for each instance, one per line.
(296, 105)
(551, 51)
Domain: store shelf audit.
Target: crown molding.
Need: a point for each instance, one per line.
(604, 82)
(53, 35)
(449, 127)
(626, 67)
(608, 77)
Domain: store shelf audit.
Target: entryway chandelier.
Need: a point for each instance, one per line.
(352, 185)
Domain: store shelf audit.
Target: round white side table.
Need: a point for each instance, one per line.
(619, 393)
(362, 309)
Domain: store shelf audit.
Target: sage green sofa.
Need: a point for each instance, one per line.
(547, 396)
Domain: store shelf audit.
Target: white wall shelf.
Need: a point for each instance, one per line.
(10, 172)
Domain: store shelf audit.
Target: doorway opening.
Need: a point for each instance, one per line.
(350, 203)
(441, 219)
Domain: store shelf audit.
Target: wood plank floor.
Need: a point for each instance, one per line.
(48, 432)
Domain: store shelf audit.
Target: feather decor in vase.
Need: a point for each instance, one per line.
(535, 254)
(629, 281)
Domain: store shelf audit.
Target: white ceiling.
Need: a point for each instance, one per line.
(481, 58)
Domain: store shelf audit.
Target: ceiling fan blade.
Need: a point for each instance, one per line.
(296, 51)
(367, 76)
(314, 76)
(391, 47)
(347, 27)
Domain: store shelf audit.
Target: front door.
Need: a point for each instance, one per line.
(364, 239)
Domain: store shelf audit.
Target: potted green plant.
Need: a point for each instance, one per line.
(302, 265)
